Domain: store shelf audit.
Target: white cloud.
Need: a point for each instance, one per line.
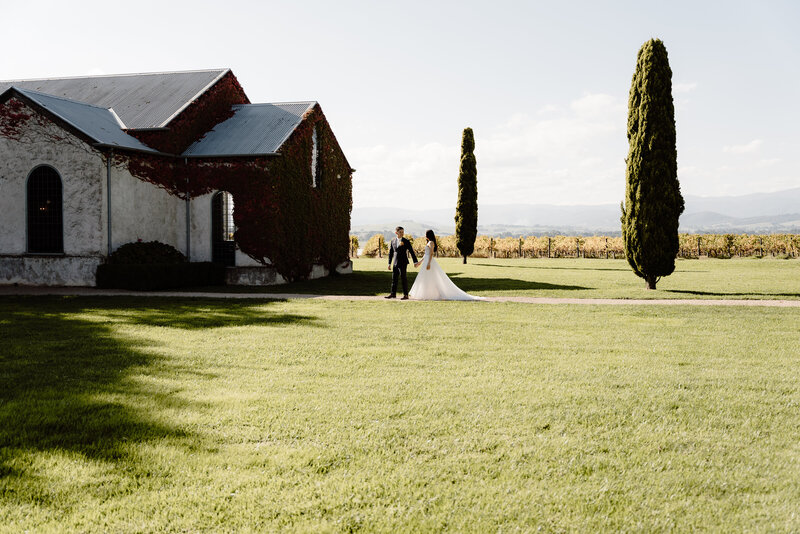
(595, 105)
(752, 146)
(550, 108)
(684, 87)
(571, 156)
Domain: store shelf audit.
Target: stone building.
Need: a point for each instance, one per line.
(88, 164)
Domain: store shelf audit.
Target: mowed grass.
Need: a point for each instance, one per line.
(743, 278)
(150, 415)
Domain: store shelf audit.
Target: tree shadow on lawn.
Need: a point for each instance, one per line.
(726, 294)
(468, 283)
(370, 283)
(195, 314)
(362, 283)
(548, 268)
(70, 383)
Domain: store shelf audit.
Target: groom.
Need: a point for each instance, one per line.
(399, 249)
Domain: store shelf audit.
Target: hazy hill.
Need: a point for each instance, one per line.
(777, 212)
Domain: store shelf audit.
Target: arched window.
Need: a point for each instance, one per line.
(45, 217)
(223, 247)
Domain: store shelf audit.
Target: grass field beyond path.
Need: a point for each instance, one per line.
(147, 415)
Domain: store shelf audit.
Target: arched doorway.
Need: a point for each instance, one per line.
(45, 212)
(223, 247)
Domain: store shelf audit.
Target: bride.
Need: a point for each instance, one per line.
(431, 282)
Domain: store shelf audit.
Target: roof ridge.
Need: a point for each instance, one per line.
(23, 91)
(114, 75)
(56, 112)
(221, 74)
(278, 103)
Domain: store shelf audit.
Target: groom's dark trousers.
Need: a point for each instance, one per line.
(399, 249)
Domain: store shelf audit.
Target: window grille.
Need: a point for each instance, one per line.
(45, 212)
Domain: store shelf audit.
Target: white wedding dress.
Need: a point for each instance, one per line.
(433, 283)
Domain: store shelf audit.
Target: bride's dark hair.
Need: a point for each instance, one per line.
(432, 238)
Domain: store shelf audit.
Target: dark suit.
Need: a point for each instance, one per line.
(398, 259)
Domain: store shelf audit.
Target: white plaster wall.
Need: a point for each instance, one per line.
(49, 271)
(201, 228)
(141, 210)
(267, 276)
(82, 172)
(243, 260)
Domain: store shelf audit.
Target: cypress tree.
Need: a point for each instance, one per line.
(653, 200)
(467, 206)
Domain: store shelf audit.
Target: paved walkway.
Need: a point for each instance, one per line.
(87, 291)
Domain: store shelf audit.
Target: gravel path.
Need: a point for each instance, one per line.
(86, 291)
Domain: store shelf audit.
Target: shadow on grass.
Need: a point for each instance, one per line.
(468, 284)
(369, 283)
(549, 267)
(198, 315)
(70, 383)
(726, 294)
(362, 283)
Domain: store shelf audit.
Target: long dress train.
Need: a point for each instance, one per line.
(434, 284)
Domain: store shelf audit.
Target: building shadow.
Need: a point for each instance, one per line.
(370, 283)
(468, 283)
(71, 383)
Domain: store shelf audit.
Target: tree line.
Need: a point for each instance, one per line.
(563, 246)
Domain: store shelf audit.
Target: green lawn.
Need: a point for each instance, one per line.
(747, 278)
(147, 415)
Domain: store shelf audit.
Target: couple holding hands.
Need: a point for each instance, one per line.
(431, 283)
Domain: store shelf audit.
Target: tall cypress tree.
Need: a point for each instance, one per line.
(653, 200)
(467, 206)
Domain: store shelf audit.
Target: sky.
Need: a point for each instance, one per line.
(544, 85)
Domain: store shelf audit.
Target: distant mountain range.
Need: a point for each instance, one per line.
(761, 213)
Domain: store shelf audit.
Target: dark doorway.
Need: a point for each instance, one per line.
(45, 217)
(223, 247)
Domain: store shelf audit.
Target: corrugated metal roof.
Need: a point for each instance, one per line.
(98, 123)
(254, 129)
(148, 100)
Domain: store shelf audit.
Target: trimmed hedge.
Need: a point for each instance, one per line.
(147, 252)
(154, 276)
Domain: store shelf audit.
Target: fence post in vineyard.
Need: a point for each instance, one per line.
(520, 247)
(698, 246)
(606, 248)
(578, 247)
(548, 246)
(761, 247)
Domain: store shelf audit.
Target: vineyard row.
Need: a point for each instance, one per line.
(691, 246)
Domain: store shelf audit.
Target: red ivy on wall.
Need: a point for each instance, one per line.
(280, 217)
(13, 118)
